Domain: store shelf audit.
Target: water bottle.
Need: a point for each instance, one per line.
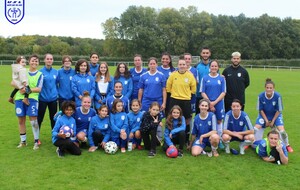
(129, 145)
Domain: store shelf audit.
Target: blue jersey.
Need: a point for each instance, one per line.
(135, 79)
(63, 121)
(239, 124)
(176, 129)
(269, 106)
(202, 69)
(94, 69)
(118, 121)
(213, 86)
(63, 80)
(165, 71)
(49, 90)
(99, 124)
(204, 125)
(127, 85)
(110, 101)
(81, 83)
(152, 85)
(82, 119)
(134, 121)
(263, 149)
(194, 71)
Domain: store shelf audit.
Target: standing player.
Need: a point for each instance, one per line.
(152, 87)
(136, 73)
(118, 95)
(202, 69)
(49, 94)
(237, 80)
(82, 81)
(35, 81)
(181, 85)
(213, 88)
(64, 79)
(271, 149)
(94, 58)
(204, 131)
(122, 74)
(237, 127)
(270, 108)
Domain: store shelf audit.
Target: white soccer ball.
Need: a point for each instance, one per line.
(111, 147)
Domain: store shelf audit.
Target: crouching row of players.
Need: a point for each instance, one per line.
(122, 128)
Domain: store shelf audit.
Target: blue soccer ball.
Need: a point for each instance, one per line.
(68, 131)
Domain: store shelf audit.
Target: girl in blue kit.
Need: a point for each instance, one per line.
(213, 88)
(104, 85)
(175, 130)
(204, 132)
(64, 79)
(152, 87)
(94, 65)
(83, 116)
(82, 81)
(117, 95)
(59, 139)
(122, 74)
(269, 105)
(136, 73)
(119, 124)
(134, 122)
(99, 129)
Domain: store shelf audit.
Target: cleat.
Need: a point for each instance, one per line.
(22, 144)
(59, 152)
(234, 152)
(151, 154)
(36, 146)
(39, 142)
(242, 149)
(227, 149)
(221, 145)
(140, 147)
(180, 154)
(289, 148)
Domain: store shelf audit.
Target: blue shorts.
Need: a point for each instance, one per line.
(120, 142)
(278, 122)
(220, 110)
(24, 110)
(147, 102)
(203, 145)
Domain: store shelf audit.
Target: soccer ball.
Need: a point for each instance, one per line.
(172, 152)
(68, 131)
(111, 147)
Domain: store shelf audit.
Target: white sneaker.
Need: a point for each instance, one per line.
(36, 146)
(22, 144)
(227, 148)
(242, 148)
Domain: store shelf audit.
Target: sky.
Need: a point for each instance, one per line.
(83, 18)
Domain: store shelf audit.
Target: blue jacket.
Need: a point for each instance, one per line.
(134, 121)
(127, 86)
(81, 83)
(94, 69)
(118, 121)
(101, 124)
(64, 80)
(176, 129)
(49, 90)
(61, 121)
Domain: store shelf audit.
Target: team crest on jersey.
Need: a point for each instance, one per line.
(186, 80)
(170, 73)
(138, 119)
(125, 82)
(123, 117)
(239, 74)
(14, 10)
(261, 121)
(208, 80)
(54, 76)
(106, 126)
(70, 77)
(156, 79)
(88, 80)
(209, 122)
(273, 103)
(219, 82)
(89, 119)
(241, 123)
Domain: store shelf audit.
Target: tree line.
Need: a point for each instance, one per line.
(150, 32)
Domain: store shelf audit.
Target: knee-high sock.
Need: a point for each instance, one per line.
(35, 129)
(258, 133)
(220, 129)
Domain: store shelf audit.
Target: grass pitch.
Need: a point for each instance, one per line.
(42, 169)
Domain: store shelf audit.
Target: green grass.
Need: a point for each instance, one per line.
(42, 169)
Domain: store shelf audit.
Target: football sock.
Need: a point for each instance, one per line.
(35, 129)
(220, 129)
(284, 137)
(213, 147)
(23, 137)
